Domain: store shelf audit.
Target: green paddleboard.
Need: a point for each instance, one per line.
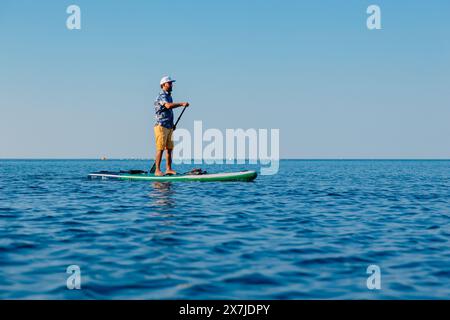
(230, 176)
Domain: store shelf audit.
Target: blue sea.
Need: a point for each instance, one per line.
(309, 232)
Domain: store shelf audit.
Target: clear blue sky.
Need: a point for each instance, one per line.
(310, 68)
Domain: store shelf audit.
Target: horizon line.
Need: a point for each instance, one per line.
(224, 160)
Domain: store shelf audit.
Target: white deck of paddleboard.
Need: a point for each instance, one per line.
(176, 177)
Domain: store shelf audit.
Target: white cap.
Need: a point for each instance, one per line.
(166, 79)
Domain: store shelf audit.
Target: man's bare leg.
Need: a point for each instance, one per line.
(169, 162)
(158, 158)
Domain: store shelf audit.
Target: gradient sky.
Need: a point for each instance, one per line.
(309, 68)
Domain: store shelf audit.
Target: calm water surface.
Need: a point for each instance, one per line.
(309, 232)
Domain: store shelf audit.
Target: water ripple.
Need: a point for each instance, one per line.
(309, 232)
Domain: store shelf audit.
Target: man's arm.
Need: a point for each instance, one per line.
(172, 105)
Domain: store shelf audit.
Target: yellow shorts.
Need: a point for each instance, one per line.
(163, 138)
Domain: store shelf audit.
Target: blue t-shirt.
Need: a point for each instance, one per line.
(164, 116)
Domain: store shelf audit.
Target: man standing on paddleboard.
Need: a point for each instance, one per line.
(164, 125)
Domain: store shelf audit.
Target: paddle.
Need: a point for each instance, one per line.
(153, 169)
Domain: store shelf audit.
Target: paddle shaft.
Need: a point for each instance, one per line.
(184, 109)
(152, 170)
